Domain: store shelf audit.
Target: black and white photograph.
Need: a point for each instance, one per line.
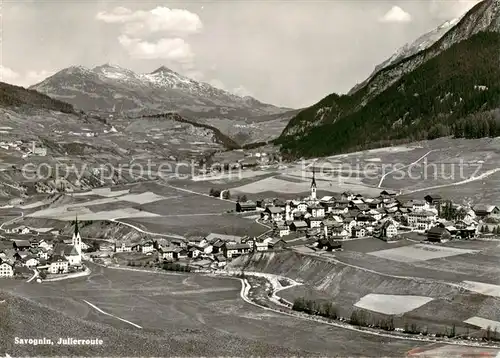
(250, 178)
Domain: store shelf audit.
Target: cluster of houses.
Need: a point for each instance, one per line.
(28, 256)
(216, 248)
(25, 148)
(350, 215)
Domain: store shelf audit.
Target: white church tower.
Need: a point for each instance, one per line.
(313, 188)
(76, 240)
(288, 212)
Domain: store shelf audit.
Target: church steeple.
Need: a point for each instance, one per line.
(313, 187)
(76, 227)
(76, 240)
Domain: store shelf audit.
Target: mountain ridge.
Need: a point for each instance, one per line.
(410, 48)
(482, 17)
(114, 90)
(162, 78)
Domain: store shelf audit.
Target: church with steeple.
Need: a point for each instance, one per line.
(313, 196)
(72, 253)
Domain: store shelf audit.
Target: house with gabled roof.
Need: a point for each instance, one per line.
(388, 193)
(347, 195)
(298, 225)
(483, 210)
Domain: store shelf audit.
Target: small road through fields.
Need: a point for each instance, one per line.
(404, 167)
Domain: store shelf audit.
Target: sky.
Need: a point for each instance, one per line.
(289, 53)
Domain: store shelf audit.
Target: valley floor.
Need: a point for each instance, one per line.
(178, 315)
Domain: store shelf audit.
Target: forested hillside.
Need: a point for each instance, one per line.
(15, 96)
(446, 95)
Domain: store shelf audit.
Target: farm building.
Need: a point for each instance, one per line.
(329, 244)
(438, 234)
(298, 226)
(21, 245)
(277, 244)
(433, 199)
(388, 193)
(246, 206)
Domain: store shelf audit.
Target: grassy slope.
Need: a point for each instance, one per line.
(24, 318)
(440, 91)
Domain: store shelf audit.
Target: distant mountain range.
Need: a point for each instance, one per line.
(116, 90)
(446, 76)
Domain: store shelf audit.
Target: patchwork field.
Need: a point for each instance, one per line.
(178, 315)
(483, 288)
(391, 304)
(202, 224)
(484, 323)
(419, 252)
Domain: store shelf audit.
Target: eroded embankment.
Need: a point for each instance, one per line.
(344, 285)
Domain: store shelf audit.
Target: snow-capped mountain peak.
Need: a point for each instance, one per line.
(423, 42)
(162, 69)
(114, 72)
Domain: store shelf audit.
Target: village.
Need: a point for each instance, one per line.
(318, 224)
(40, 258)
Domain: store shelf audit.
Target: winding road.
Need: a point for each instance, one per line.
(404, 167)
